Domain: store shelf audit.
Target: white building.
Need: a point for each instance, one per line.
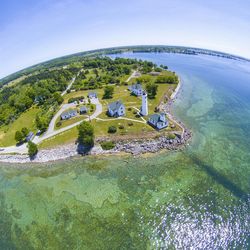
(144, 104)
(158, 121)
(68, 114)
(116, 109)
(136, 89)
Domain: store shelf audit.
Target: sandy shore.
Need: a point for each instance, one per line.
(134, 146)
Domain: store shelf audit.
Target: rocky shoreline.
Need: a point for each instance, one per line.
(134, 146)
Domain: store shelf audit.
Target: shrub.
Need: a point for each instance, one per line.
(121, 127)
(107, 145)
(25, 131)
(129, 109)
(75, 99)
(19, 137)
(58, 124)
(108, 92)
(171, 136)
(134, 112)
(130, 123)
(112, 129)
(32, 149)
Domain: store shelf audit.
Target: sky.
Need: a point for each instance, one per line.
(33, 31)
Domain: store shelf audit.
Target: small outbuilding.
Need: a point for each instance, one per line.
(116, 109)
(158, 121)
(68, 114)
(83, 110)
(92, 95)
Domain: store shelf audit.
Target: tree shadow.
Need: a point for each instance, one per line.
(33, 157)
(18, 144)
(83, 150)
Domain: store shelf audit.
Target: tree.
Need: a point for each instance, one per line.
(32, 149)
(86, 134)
(25, 131)
(112, 129)
(41, 122)
(19, 136)
(151, 90)
(108, 92)
(58, 98)
(172, 79)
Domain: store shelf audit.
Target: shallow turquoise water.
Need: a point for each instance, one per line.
(197, 198)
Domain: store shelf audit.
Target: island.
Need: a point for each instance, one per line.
(89, 105)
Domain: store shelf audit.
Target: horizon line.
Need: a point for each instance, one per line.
(122, 47)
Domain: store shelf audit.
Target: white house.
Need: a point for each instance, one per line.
(144, 104)
(68, 114)
(158, 121)
(116, 109)
(136, 89)
(83, 110)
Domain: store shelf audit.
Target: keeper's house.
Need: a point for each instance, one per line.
(68, 114)
(158, 121)
(116, 109)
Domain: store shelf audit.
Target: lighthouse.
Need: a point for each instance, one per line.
(144, 105)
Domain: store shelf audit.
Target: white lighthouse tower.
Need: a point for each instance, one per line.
(144, 105)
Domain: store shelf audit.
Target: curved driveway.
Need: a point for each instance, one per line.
(51, 132)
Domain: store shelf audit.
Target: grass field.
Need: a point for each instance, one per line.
(27, 119)
(70, 121)
(65, 123)
(68, 136)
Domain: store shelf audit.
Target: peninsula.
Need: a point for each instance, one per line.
(126, 102)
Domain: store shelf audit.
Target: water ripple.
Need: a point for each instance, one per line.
(180, 226)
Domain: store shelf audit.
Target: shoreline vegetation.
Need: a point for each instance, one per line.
(134, 146)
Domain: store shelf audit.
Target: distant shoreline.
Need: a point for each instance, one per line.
(116, 50)
(134, 146)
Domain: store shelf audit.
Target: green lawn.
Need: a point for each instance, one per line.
(101, 130)
(65, 123)
(70, 121)
(27, 119)
(68, 136)
(101, 127)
